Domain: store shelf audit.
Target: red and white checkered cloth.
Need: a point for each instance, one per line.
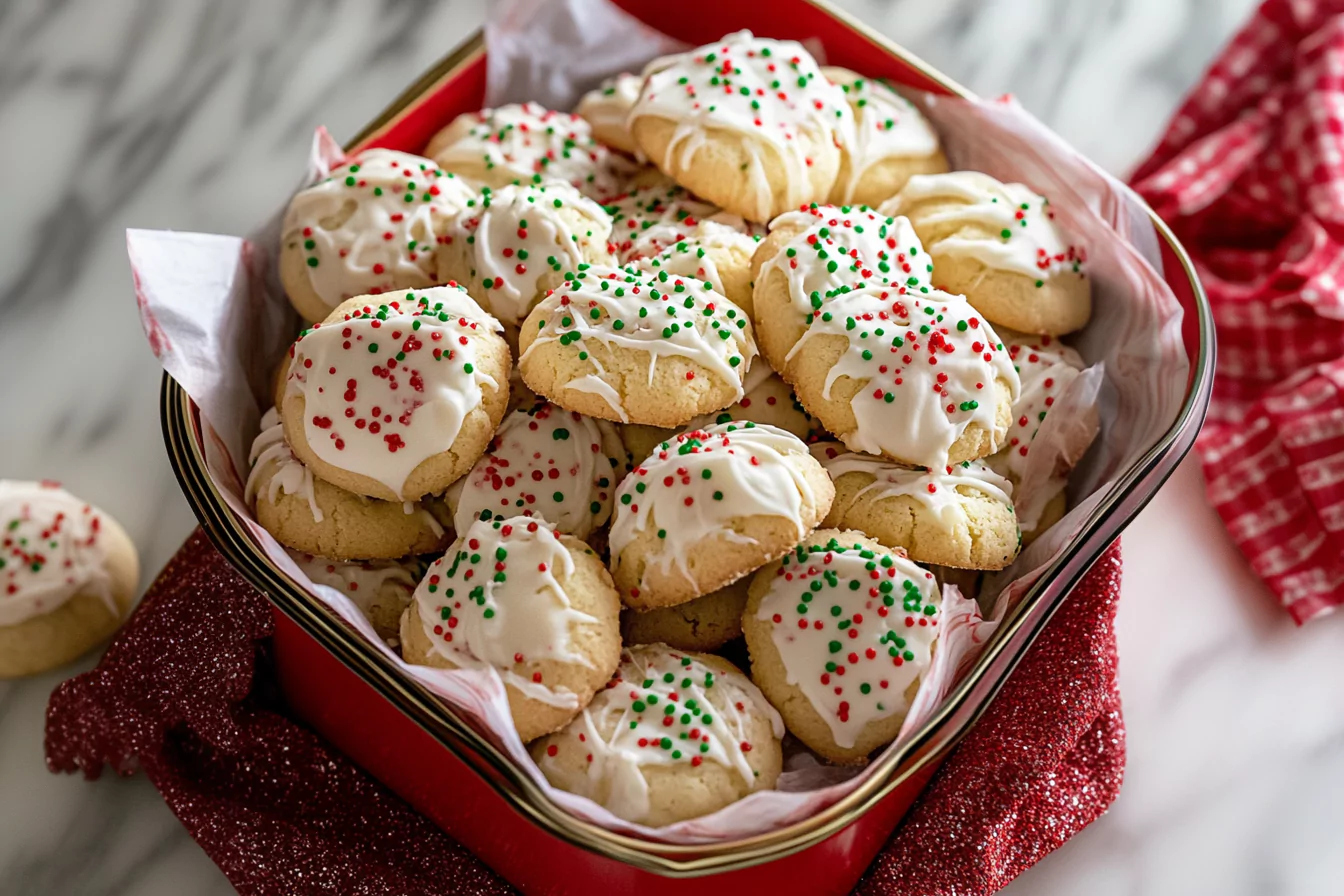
(1250, 175)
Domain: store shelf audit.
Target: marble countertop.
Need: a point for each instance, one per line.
(195, 115)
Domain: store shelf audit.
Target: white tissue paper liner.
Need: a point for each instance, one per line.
(216, 317)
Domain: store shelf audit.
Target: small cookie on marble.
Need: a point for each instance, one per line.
(704, 623)
(650, 767)
(380, 588)
(68, 575)
(537, 607)
(606, 108)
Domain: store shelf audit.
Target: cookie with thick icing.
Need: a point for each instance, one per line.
(841, 631)
(710, 506)
(396, 397)
(381, 589)
(714, 253)
(1046, 367)
(706, 622)
(999, 245)
(627, 752)
(370, 227)
(651, 217)
(537, 607)
(606, 108)
(68, 575)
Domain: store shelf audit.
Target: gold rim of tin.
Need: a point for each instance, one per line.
(928, 744)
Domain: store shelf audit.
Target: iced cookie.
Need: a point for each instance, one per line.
(605, 109)
(513, 244)
(892, 141)
(624, 344)
(961, 516)
(703, 623)
(713, 253)
(545, 462)
(68, 574)
(537, 607)
(395, 398)
(1046, 368)
(674, 736)
(380, 588)
(368, 228)
(749, 124)
(309, 515)
(830, 647)
(998, 244)
(648, 219)
(915, 377)
(819, 252)
(709, 507)
(524, 143)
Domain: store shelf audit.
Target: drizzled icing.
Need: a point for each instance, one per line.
(1025, 238)
(696, 483)
(886, 126)
(608, 105)
(52, 547)
(1046, 367)
(760, 89)
(390, 385)
(854, 628)
(391, 207)
(839, 248)
(544, 462)
(495, 599)
(662, 315)
(288, 474)
(362, 581)
(694, 256)
(649, 219)
(627, 729)
(517, 234)
(929, 366)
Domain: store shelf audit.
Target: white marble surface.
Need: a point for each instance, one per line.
(195, 115)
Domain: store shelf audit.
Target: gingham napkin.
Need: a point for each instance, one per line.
(1250, 175)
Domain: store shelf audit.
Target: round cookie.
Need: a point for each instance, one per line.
(370, 227)
(998, 244)
(714, 253)
(380, 588)
(548, 463)
(537, 607)
(830, 648)
(515, 243)
(961, 517)
(68, 575)
(648, 219)
(704, 623)
(1046, 367)
(623, 344)
(396, 398)
(892, 141)
(316, 517)
(605, 109)
(749, 124)
(654, 768)
(709, 507)
(917, 378)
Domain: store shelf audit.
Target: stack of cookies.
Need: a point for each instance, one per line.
(726, 355)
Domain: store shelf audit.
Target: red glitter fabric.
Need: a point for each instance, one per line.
(1250, 175)
(185, 694)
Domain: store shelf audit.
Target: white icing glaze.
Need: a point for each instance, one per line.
(662, 315)
(929, 362)
(1046, 367)
(624, 731)
(649, 219)
(769, 92)
(362, 581)
(886, 126)
(854, 644)
(698, 481)
(51, 548)
(1027, 240)
(518, 233)
(544, 462)
(495, 599)
(694, 256)
(610, 103)
(269, 449)
(385, 241)
(412, 360)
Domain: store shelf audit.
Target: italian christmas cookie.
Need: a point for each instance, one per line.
(709, 507)
(513, 244)
(918, 378)
(396, 397)
(704, 623)
(315, 517)
(68, 574)
(380, 588)
(537, 607)
(673, 736)
(841, 631)
(545, 462)
(370, 227)
(628, 345)
(892, 142)
(999, 245)
(749, 124)
(716, 254)
(960, 516)
(1046, 367)
(649, 218)
(816, 253)
(606, 108)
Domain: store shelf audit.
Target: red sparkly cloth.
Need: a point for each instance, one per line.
(1250, 175)
(186, 695)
